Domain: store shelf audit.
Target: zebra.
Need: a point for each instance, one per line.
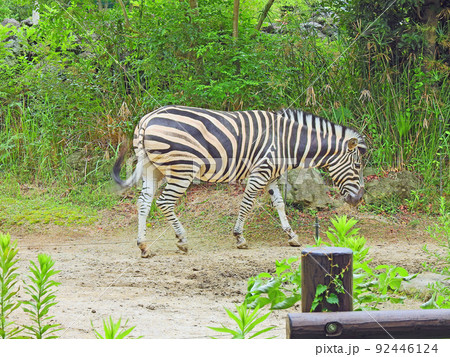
(181, 144)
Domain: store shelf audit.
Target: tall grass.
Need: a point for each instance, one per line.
(64, 112)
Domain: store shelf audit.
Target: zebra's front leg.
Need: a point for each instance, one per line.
(254, 185)
(278, 204)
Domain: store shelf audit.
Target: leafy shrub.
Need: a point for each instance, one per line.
(280, 291)
(39, 288)
(113, 330)
(247, 320)
(8, 290)
(370, 286)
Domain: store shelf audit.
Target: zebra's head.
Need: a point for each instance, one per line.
(346, 170)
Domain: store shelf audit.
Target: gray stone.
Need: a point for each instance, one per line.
(419, 285)
(396, 185)
(11, 23)
(312, 24)
(27, 22)
(370, 171)
(307, 187)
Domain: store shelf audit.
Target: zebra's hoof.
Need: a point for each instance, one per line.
(242, 245)
(182, 246)
(293, 242)
(147, 254)
(145, 251)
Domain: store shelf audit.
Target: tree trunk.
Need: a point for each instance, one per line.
(125, 15)
(194, 7)
(236, 19)
(431, 9)
(237, 63)
(264, 14)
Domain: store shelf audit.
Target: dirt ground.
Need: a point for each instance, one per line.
(176, 295)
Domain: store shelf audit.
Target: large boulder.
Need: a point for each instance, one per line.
(397, 185)
(10, 23)
(308, 188)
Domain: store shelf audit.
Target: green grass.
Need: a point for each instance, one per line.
(27, 205)
(44, 210)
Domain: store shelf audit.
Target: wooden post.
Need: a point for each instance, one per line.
(332, 267)
(370, 324)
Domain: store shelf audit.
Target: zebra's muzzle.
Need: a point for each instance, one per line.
(354, 199)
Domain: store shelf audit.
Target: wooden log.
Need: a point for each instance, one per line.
(329, 266)
(370, 324)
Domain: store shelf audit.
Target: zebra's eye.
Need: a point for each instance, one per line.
(357, 166)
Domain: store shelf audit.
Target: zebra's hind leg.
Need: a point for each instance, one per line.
(150, 180)
(255, 183)
(166, 202)
(278, 204)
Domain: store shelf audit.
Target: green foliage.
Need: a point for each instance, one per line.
(398, 27)
(391, 278)
(24, 205)
(113, 330)
(370, 287)
(342, 234)
(323, 294)
(40, 287)
(8, 289)
(62, 91)
(247, 320)
(440, 298)
(280, 291)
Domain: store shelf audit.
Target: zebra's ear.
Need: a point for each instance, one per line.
(352, 144)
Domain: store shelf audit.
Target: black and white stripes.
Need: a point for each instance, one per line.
(182, 143)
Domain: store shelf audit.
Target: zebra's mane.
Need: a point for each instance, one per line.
(320, 123)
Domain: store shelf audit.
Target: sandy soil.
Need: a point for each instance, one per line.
(176, 295)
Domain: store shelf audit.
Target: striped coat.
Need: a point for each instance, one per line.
(182, 143)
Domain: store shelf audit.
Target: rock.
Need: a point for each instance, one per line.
(312, 24)
(14, 45)
(274, 29)
(27, 22)
(307, 187)
(396, 186)
(419, 285)
(10, 23)
(370, 171)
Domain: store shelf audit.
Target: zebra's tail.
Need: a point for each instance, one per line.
(135, 176)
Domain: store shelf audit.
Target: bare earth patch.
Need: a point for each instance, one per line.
(176, 295)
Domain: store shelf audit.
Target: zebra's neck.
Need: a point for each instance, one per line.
(318, 140)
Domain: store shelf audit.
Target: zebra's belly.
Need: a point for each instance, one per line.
(208, 169)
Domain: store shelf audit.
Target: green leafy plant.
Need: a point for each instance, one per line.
(247, 320)
(8, 282)
(323, 294)
(440, 298)
(342, 234)
(40, 288)
(370, 287)
(391, 279)
(113, 330)
(280, 291)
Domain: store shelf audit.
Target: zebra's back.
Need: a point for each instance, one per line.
(223, 146)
